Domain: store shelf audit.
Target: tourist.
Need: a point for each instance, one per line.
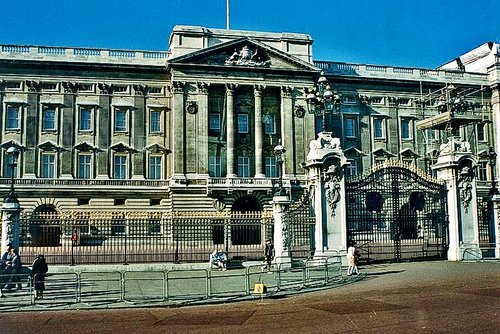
(352, 260)
(38, 271)
(269, 253)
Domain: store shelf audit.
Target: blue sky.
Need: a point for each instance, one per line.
(416, 33)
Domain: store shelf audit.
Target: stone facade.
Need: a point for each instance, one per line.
(194, 128)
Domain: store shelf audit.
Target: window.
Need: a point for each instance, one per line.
(350, 127)
(155, 167)
(8, 166)
(269, 124)
(482, 171)
(155, 121)
(48, 165)
(243, 166)
(214, 166)
(85, 119)
(84, 166)
(481, 133)
(271, 170)
(352, 168)
(406, 132)
(378, 128)
(12, 122)
(49, 118)
(120, 120)
(214, 122)
(120, 167)
(242, 123)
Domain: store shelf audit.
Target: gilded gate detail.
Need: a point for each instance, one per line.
(397, 213)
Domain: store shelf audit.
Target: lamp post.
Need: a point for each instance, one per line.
(492, 157)
(279, 150)
(13, 153)
(321, 100)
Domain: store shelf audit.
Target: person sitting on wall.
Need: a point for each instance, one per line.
(221, 260)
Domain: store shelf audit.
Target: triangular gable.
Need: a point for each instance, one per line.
(157, 148)
(49, 146)
(84, 147)
(120, 147)
(353, 151)
(244, 53)
(408, 153)
(380, 152)
(11, 143)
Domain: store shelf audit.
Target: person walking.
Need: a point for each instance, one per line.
(352, 267)
(4, 272)
(13, 268)
(269, 253)
(38, 271)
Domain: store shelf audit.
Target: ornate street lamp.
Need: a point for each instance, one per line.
(492, 157)
(321, 100)
(13, 153)
(279, 150)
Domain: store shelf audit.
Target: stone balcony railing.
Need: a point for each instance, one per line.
(405, 73)
(85, 55)
(83, 183)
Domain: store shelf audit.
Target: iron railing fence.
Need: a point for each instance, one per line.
(171, 287)
(139, 237)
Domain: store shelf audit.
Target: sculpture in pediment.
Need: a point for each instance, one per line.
(248, 57)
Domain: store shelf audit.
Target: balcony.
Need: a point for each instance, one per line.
(404, 73)
(82, 55)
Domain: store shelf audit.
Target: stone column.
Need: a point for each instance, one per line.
(287, 129)
(202, 146)
(179, 135)
(455, 165)
(230, 130)
(68, 112)
(10, 223)
(325, 165)
(259, 137)
(494, 78)
(494, 225)
(282, 230)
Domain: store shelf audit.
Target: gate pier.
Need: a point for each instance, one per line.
(455, 165)
(325, 166)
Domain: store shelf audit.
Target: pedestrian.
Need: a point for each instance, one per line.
(352, 259)
(13, 269)
(269, 253)
(38, 271)
(4, 274)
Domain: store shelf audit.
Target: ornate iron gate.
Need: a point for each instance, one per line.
(397, 213)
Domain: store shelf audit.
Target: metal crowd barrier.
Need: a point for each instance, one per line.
(95, 289)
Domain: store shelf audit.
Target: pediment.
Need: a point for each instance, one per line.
(244, 53)
(49, 146)
(353, 151)
(120, 147)
(380, 152)
(84, 147)
(409, 153)
(157, 148)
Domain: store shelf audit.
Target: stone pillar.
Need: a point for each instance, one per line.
(325, 165)
(230, 130)
(287, 129)
(202, 146)
(282, 230)
(259, 137)
(179, 137)
(455, 165)
(10, 223)
(494, 225)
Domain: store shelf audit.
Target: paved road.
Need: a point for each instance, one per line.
(427, 297)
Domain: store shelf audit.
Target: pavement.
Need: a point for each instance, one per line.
(418, 297)
(167, 285)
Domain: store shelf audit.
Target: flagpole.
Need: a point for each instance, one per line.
(227, 14)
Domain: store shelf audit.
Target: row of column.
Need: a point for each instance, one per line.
(183, 132)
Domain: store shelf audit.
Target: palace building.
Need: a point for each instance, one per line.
(195, 128)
